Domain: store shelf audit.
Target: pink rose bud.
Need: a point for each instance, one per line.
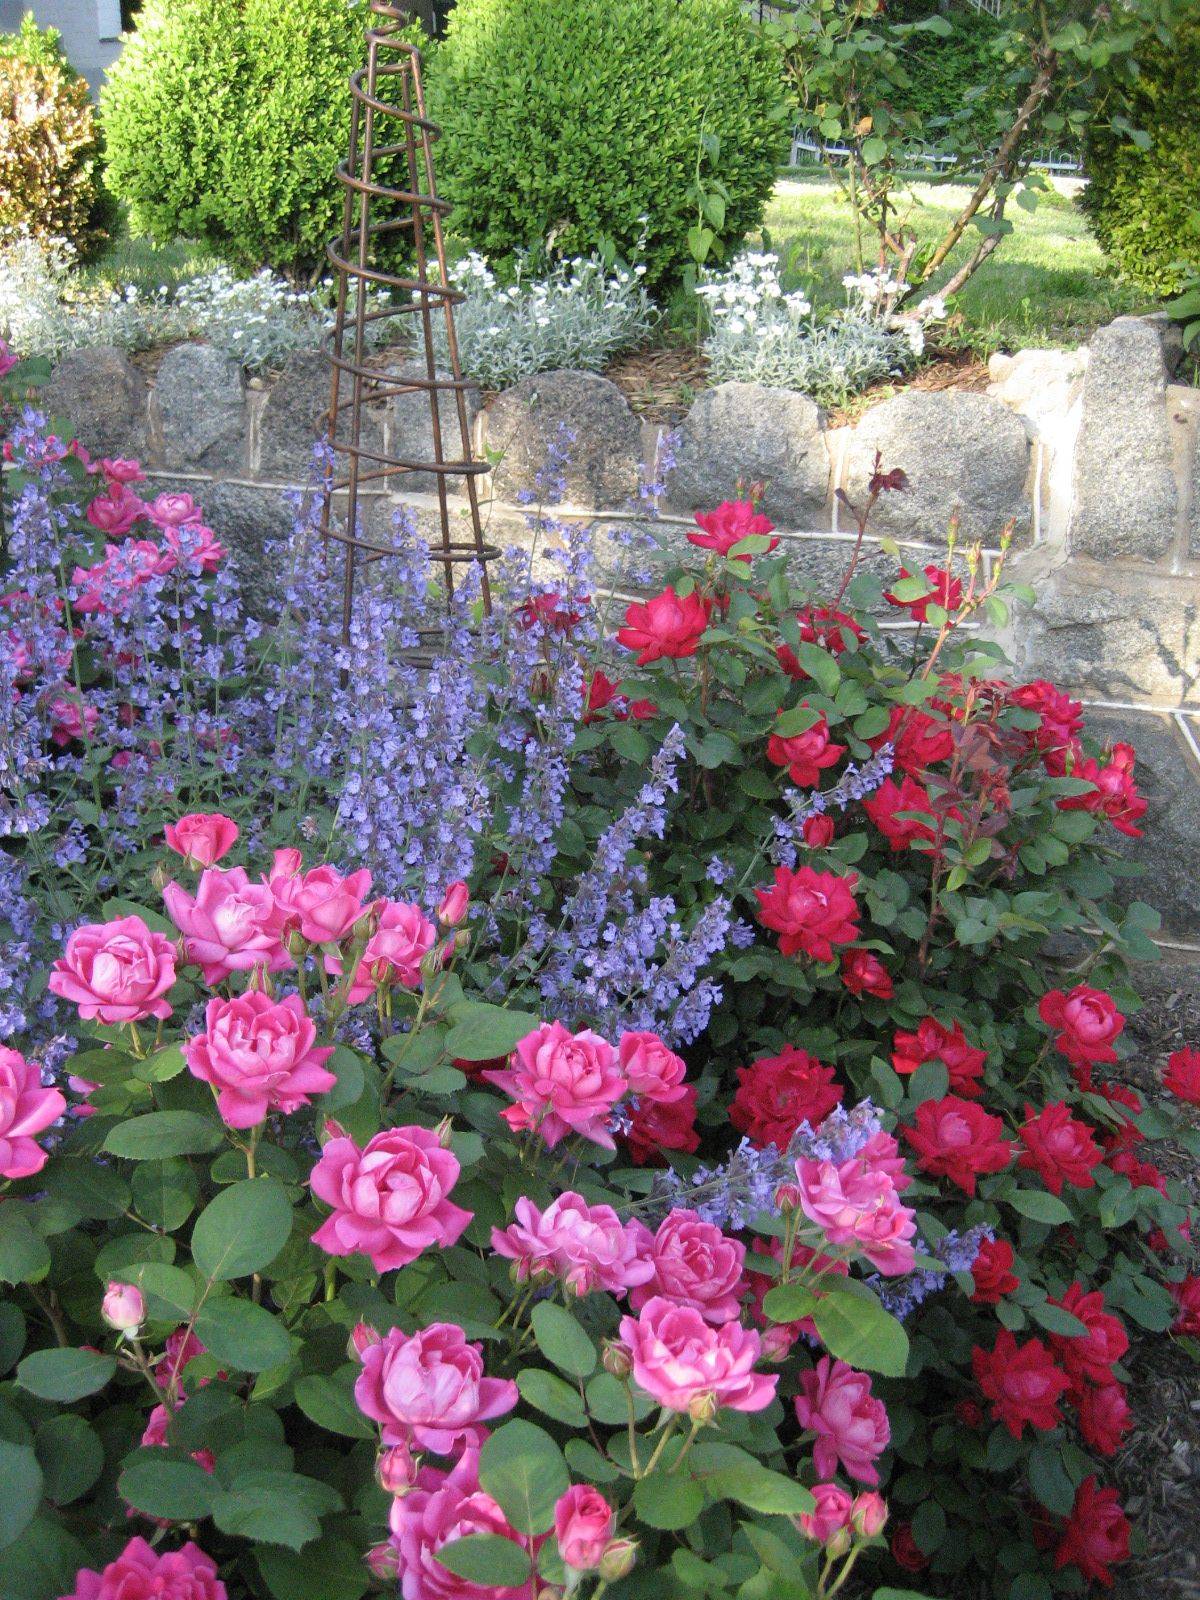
(123, 1307)
(454, 905)
(361, 1340)
(583, 1521)
(445, 1132)
(618, 1560)
(702, 1407)
(332, 1129)
(787, 1198)
(868, 1514)
(384, 1562)
(202, 838)
(396, 1469)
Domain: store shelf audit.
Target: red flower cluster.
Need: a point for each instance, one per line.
(891, 809)
(1058, 1148)
(959, 1140)
(1022, 1381)
(1115, 795)
(605, 695)
(776, 1094)
(1186, 1296)
(916, 738)
(943, 591)
(1088, 1021)
(731, 522)
(864, 973)
(933, 1041)
(1096, 1536)
(658, 1125)
(822, 625)
(811, 911)
(807, 754)
(669, 625)
(992, 1272)
(1182, 1076)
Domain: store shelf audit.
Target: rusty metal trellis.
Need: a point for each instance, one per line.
(391, 140)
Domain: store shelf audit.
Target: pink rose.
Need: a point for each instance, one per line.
(321, 903)
(694, 1265)
(856, 1205)
(583, 1521)
(181, 1347)
(25, 1109)
(562, 1083)
(121, 469)
(455, 902)
(403, 937)
(588, 1247)
(116, 512)
(174, 510)
(196, 546)
(836, 1404)
(687, 1365)
(259, 1055)
(123, 1307)
(830, 1516)
(446, 1507)
(389, 1199)
(202, 837)
(652, 1071)
(869, 1514)
(71, 719)
(116, 971)
(428, 1388)
(140, 1573)
(231, 925)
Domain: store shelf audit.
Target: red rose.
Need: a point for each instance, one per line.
(890, 808)
(807, 754)
(916, 738)
(863, 973)
(1186, 1296)
(1088, 1021)
(1182, 1076)
(551, 612)
(1059, 1149)
(933, 1041)
(777, 1093)
(906, 1552)
(943, 591)
(812, 911)
(659, 1125)
(1062, 717)
(604, 693)
(818, 831)
(732, 521)
(832, 630)
(1022, 1382)
(668, 625)
(1089, 1357)
(992, 1272)
(1141, 1174)
(1114, 795)
(1096, 1536)
(959, 1140)
(1104, 1417)
(969, 1413)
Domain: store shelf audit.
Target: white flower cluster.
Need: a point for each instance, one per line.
(872, 296)
(760, 334)
(578, 315)
(259, 321)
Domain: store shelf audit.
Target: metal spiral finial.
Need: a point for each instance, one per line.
(391, 140)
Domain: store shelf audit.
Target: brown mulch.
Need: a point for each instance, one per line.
(659, 384)
(1158, 1470)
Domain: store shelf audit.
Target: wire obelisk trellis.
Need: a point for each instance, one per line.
(391, 143)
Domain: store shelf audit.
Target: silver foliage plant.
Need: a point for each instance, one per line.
(579, 315)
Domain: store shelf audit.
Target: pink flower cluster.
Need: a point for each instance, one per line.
(26, 1108)
(428, 1389)
(856, 1203)
(586, 1247)
(851, 1426)
(688, 1365)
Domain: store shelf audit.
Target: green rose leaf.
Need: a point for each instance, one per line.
(65, 1375)
(71, 1457)
(788, 1302)
(24, 1257)
(242, 1230)
(481, 1032)
(854, 1326)
(22, 1479)
(243, 1335)
(329, 1569)
(486, 1558)
(275, 1508)
(523, 1469)
(158, 1135)
(760, 1489)
(163, 1484)
(552, 1395)
(1039, 1206)
(561, 1339)
(329, 1402)
(668, 1501)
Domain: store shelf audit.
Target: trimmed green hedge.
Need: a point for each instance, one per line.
(581, 120)
(1144, 205)
(225, 120)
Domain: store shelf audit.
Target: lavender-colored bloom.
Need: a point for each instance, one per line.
(856, 783)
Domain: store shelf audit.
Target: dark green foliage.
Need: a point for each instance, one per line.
(959, 74)
(581, 120)
(1144, 205)
(225, 120)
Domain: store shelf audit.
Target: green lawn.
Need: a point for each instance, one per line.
(146, 265)
(1045, 284)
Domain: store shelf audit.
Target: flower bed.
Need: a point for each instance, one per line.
(590, 1113)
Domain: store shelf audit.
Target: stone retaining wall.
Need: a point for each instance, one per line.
(1092, 456)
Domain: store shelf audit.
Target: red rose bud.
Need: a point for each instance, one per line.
(818, 832)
